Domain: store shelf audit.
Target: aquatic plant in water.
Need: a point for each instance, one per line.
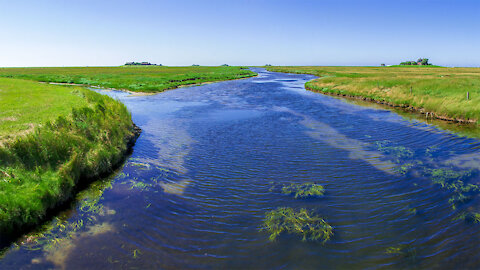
(303, 223)
(404, 250)
(399, 152)
(406, 167)
(304, 190)
(51, 234)
(469, 217)
(453, 181)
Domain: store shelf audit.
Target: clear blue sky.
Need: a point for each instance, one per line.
(239, 32)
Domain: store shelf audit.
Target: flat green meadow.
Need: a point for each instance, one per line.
(26, 104)
(132, 78)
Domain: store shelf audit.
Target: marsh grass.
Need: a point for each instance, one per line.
(304, 190)
(133, 78)
(302, 223)
(40, 170)
(434, 89)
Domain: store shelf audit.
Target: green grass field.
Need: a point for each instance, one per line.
(440, 90)
(26, 104)
(133, 78)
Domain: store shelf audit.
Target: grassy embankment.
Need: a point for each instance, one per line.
(440, 92)
(133, 78)
(52, 139)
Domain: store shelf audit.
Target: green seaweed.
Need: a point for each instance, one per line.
(412, 211)
(399, 152)
(469, 217)
(406, 167)
(444, 177)
(304, 190)
(303, 223)
(453, 181)
(404, 250)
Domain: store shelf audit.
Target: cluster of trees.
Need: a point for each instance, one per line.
(141, 64)
(419, 62)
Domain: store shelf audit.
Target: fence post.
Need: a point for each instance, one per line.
(468, 95)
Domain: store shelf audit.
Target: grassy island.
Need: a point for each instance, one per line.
(132, 78)
(441, 92)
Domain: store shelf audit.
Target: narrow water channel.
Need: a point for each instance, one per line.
(212, 160)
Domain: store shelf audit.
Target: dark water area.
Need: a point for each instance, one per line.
(213, 159)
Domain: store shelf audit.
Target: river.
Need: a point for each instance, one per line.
(212, 161)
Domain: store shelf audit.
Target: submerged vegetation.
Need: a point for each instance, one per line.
(42, 169)
(469, 217)
(302, 223)
(133, 78)
(398, 152)
(440, 91)
(304, 190)
(407, 251)
(453, 181)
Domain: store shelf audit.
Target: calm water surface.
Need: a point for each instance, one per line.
(212, 160)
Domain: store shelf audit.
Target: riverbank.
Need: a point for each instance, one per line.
(150, 79)
(54, 139)
(438, 92)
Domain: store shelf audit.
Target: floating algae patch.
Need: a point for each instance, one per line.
(408, 166)
(397, 152)
(138, 185)
(302, 223)
(404, 250)
(455, 183)
(469, 217)
(305, 190)
(411, 211)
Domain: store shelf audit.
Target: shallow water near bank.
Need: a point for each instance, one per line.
(212, 160)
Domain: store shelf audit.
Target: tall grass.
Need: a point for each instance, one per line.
(40, 170)
(442, 91)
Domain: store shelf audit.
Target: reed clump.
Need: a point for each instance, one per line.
(303, 223)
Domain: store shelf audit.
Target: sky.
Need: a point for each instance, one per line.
(238, 32)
